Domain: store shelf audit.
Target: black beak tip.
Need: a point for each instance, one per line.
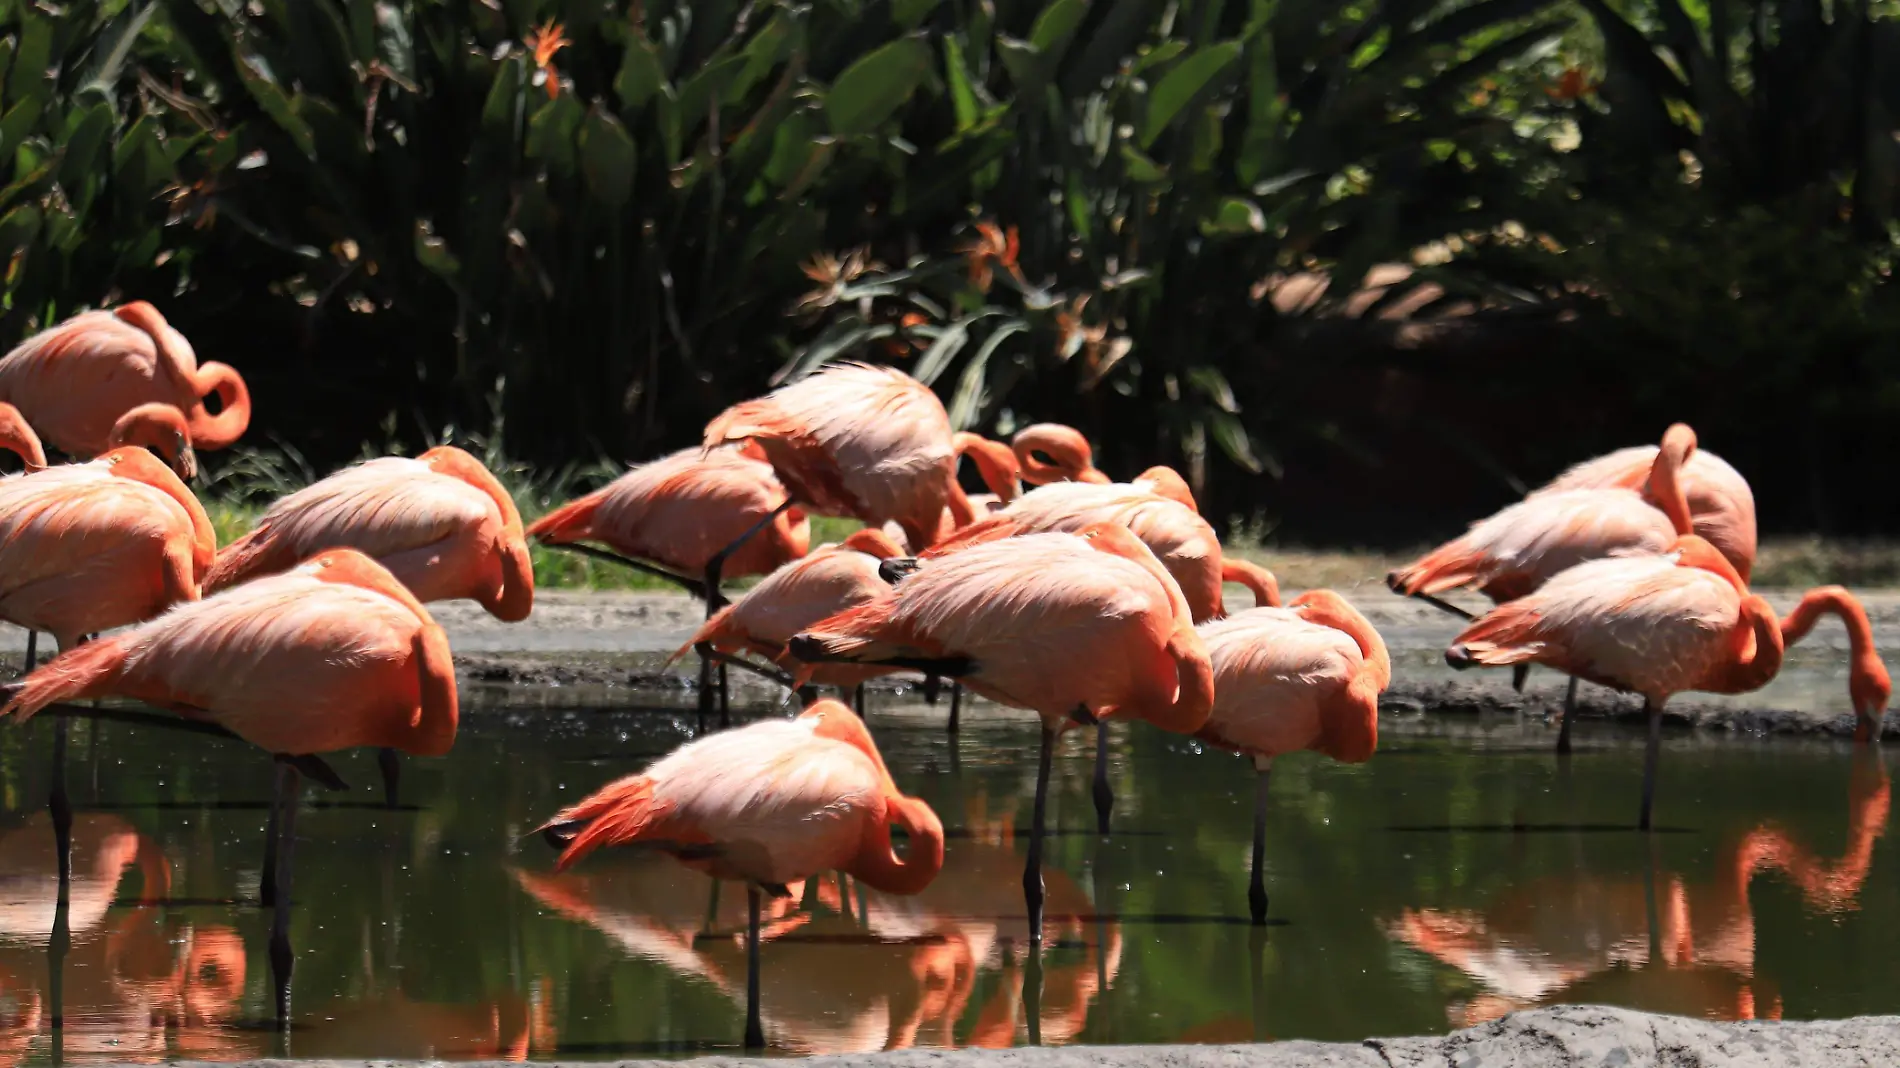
(559, 835)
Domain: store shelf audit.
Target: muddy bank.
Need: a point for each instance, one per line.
(1569, 1036)
(587, 649)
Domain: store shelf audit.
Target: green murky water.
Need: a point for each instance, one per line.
(1458, 876)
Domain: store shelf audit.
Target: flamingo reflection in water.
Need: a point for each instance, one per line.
(1596, 939)
(132, 985)
(855, 969)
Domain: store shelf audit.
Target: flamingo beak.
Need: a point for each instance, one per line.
(186, 464)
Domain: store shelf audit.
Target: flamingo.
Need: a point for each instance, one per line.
(692, 513)
(1307, 676)
(1051, 452)
(854, 440)
(1660, 625)
(1721, 506)
(801, 593)
(90, 547)
(1085, 625)
(767, 804)
(1184, 542)
(1520, 548)
(74, 381)
(441, 523)
(997, 465)
(333, 654)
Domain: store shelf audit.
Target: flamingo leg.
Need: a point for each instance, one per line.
(32, 651)
(1032, 993)
(290, 786)
(61, 938)
(956, 703)
(712, 909)
(690, 585)
(844, 895)
(715, 600)
(705, 687)
(1520, 673)
(267, 879)
(1444, 606)
(1654, 709)
(1104, 795)
(1032, 870)
(754, 1030)
(58, 805)
(857, 700)
(725, 698)
(391, 765)
(1570, 713)
(932, 684)
(806, 695)
(1257, 880)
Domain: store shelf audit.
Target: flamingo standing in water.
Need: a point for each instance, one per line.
(1073, 627)
(1517, 550)
(768, 804)
(333, 654)
(830, 580)
(1307, 676)
(441, 523)
(93, 546)
(76, 380)
(1177, 535)
(1660, 625)
(693, 514)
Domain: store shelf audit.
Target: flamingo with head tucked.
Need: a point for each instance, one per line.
(76, 380)
(768, 804)
(854, 440)
(1660, 625)
(1073, 627)
(333, 654)
(1307, 676)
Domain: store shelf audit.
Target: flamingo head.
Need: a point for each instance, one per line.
(164, 430)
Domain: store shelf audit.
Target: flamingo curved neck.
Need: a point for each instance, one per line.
(1069, 457)
(1258, 580)
(1758, 651)
(223, 429)
(513, 602)
(22, 442)
(1664, 487)
(1868, 683)
(877, 862)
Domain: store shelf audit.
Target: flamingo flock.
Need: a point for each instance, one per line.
(1079, 600)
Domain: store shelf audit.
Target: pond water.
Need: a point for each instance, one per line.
(1462, 874)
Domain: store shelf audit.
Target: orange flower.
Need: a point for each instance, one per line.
(1571, 85)
(902, 345)
(544, 42)
(992, 247)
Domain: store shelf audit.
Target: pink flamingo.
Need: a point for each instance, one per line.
(1051, 452)
(76, 380)
(1069, 626)
(333, 654)
(1660, 625)
(771, 803)
(1721, 505)
(996, 463)
(1517, 550)
(441, 523)
(830, 580)
(854, 440)
(693, 513)
(1185, 544)
(1307, 676)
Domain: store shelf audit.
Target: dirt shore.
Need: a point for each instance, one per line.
(594, 648)
(1568, 1036)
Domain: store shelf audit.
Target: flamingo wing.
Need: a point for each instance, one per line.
(679, 510)
(1521, 547)
(74, 380)
(800, 594)
(1721, 504)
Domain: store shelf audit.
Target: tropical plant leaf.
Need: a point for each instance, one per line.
(1178, 88)
(870, 90)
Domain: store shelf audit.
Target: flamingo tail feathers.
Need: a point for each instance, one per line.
(1447, 567)
(1503, 636)
(718, 627)
(87, 671)
(573, 521)
(862, 635)
(251, 556)
(619, 813)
